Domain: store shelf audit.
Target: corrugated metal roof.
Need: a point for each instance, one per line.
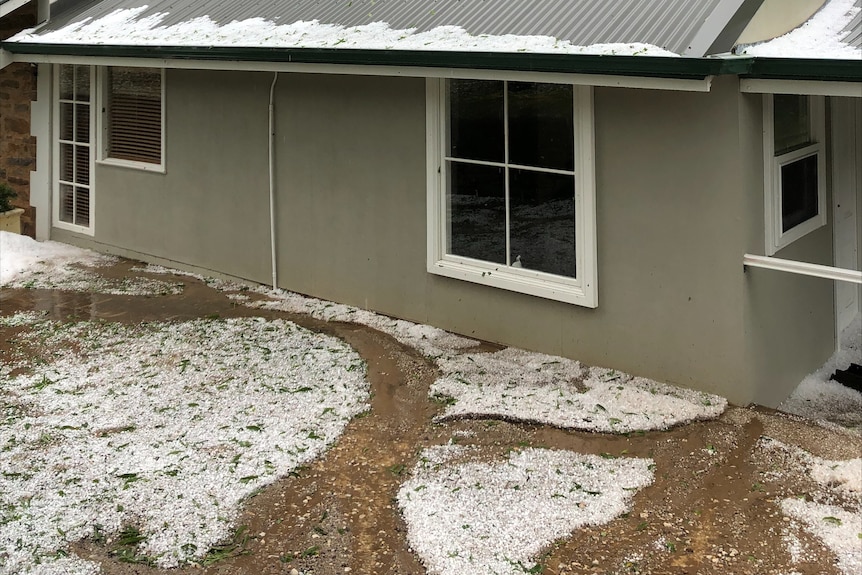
(670, 24)
(854, 30)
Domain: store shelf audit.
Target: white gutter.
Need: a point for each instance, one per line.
(802, 268)
(272, 181)
(602, 80)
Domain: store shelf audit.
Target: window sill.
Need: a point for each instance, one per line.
(60, 225)
(518, 280)
(130, 165)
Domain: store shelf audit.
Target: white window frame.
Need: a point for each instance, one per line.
(55, 147)
(103, 157)
(776, 238)
(582, 290)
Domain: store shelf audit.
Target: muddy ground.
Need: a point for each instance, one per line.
(713, 508)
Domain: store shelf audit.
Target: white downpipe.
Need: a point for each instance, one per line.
(272, 181)
(803, 268)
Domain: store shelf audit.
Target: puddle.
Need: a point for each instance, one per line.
(712, 508)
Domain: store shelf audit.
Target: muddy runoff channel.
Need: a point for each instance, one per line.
(712, 509)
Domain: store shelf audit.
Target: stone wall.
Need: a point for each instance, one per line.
(17, 146)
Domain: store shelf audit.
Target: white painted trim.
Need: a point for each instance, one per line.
(602, 80)
(775, 237)
(802, 87)
(433, 171)
(132, 165)
(41, 126)
(582, 290)
(5, 58)
(802, 268)
(102, 128)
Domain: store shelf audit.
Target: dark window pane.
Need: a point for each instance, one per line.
(67, 204)
(82, 123)
(541, 125)
(67, 121)
(477, 212)
(798, 192)
(792, 123)
(476, 120)
(542, 237)
(67, 162)
(82, 165)
(67, 82)
(82, 207)
(82, 83)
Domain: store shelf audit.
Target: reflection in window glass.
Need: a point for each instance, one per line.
(476, 120)
(477, 212)
(541, 125)
(82, 83)
(542, 226)
(799, 197)
(67, 82)
(517, 206)
(792, 122)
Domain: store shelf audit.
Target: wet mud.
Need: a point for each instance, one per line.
(713, 508)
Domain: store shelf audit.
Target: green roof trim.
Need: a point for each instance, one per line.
(806, 69)
(613, 65)
(645, 66)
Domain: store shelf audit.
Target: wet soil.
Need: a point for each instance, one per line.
(713, 508)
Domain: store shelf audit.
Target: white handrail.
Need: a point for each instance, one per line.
(802, 268)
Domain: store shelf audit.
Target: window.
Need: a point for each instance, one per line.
(133, 127)
(794, 162)
(511, 196)
(73, 157)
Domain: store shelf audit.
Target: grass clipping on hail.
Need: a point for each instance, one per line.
(833, 511)
(467, 516)
(29, 264)
(162, 429)
(531, 387)
(524, 386)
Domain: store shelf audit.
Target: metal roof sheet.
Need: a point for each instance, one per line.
(854, 29)
(675, 25)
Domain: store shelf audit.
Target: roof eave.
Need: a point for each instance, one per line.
(616, 65)
(822, 69)
(610, 65)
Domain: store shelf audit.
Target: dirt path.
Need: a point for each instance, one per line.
(712, 509)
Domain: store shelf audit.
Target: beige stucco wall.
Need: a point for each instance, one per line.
(670, 272)
(678, 189)
(209, 208)
(789, 319)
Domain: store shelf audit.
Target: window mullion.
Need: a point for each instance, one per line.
(506, 168)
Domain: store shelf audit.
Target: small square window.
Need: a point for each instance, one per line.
(133, 116)
(798, 192)
(795, 174)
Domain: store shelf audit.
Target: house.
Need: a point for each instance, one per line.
(17, 90)
(600, 179)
